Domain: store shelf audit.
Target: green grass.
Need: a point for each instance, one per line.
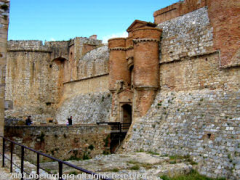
(152, 153)
(178, 158)
(73, 172)
(136, 167)
(115, 170)
(194, 175)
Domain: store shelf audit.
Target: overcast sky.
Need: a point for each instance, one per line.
(65, 19)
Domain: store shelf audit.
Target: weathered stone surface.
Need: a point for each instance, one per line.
(199, 123)
(186, 36)
(4, 20)
(62, 142)
(117, 165)
(85, 108)
(94, 63)
(36, 74)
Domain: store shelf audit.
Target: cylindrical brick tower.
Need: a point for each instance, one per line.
(118, 70)
(146, 67)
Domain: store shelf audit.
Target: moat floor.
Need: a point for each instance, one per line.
(5, 174)
(133, 166)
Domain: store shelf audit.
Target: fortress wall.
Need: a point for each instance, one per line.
(93, 63)
(186, 36)
(31, 45)
(196, 111)
(224, 18)
(78, 47)
(31, 80)
(58, 49)
(36, 73)
(178, 9)
(201, 123)
(4, 20)
(88, 101)
(86, 86)
(62, 142)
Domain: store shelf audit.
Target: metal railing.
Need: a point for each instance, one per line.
(60, 162)
(117, 125)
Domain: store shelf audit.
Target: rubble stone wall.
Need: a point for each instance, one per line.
(63, 142)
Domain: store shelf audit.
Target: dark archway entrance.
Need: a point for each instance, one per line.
(127, 113)
(125, 120)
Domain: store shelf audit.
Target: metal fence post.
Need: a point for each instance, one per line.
(22, 162)
(11, 160)
(38, 165)
(60, 170)
(3, 152)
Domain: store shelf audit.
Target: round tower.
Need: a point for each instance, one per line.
(146, 67)
(119, 75)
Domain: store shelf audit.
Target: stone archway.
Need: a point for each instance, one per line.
(126, 116)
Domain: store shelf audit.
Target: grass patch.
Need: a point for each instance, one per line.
(153, 153)
(194, 175)
(138, 165)
(135, 168)
(177, 158)
(73, 172)
(115, 170)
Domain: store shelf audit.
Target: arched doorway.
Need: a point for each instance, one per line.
(126, 120)
(126, 113)
(126, 117)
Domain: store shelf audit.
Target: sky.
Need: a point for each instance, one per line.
(50, 20)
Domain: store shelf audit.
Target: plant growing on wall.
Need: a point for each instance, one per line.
(4, 7)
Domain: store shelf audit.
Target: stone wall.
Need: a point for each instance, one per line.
(178, 9)
(196, 112)
(4, 20)
(87, 99)
(85, 108)
(186, 36)
(94, 63)
(201, 123)
(63, 142)
(36, 74)
(78, 47)
(31, 80)
(86, 86)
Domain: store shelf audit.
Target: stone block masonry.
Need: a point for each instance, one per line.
(196, 111)
(63, 142)
(4, 20)
(36, 74)
(85, 108)
(186, 36)
(201, 123)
